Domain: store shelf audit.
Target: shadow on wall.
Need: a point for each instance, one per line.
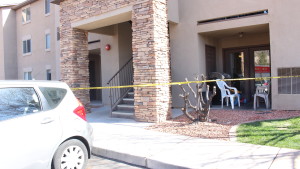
(10, 39)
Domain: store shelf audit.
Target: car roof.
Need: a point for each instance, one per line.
(41, 83)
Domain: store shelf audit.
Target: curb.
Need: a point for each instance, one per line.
(133, 159)
(232, 133)
(124, 157)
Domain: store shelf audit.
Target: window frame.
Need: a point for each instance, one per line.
(57, 33)
(286, 86)
(27, 46)
(47, 43)
(48, 72)
(26, 75)
(47, 7)
(27, 15)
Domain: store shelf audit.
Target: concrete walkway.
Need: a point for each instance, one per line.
(128, 141)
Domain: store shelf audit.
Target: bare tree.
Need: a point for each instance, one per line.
(201, 107)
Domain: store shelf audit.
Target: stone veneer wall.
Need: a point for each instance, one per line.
(150, 52)
(75, 62)
(151, 60)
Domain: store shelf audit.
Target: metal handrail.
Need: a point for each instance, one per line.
(123, 77)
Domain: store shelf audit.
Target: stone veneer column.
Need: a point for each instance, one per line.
(151, 60)
(74, 60)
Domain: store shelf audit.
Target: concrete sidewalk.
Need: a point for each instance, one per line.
(128, 141)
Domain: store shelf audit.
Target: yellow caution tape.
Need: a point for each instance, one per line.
(181, 83)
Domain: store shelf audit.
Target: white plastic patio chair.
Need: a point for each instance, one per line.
(263, 92)
(225, 93)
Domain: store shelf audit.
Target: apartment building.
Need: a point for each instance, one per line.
(174, 39)
(30, 41)
(99, 43)
(37, 31)
(8, 53)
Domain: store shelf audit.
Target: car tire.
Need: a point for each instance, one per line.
(70, 154)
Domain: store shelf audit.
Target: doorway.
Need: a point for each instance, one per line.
(95, 74)
(247, 62)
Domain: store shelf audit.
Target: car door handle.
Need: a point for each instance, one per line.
(47, 120)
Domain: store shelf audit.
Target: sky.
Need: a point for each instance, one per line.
(6, 2)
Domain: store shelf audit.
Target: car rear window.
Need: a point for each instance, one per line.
(53, 95)
(16, 102)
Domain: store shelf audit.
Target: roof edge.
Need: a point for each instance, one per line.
(8, 5)
(57, 2)
(23, 4)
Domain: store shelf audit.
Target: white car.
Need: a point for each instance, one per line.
(42, 126)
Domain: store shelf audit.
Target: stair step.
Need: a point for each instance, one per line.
(130, 94)
(128, 101)
(126, 107)
(123, 114)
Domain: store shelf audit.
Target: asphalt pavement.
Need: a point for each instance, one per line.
(103, 163)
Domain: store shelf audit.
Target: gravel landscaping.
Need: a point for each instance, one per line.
(223, 120)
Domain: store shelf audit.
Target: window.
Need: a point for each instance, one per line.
(17, 102)
(27, 76)
(239, 16)
(26, 46)
(48, 41)
(48, 72)
(47, 6)
(26, 16)
(57, 33)
(53, 95)
(289, 85)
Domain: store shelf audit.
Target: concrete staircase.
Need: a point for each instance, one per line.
(125, 109)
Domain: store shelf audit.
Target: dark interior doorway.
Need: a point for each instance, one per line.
(210, 58)
(247, 62)
(95, 74)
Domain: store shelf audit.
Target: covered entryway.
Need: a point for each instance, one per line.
(150, 49)
(242, 52)
(116, 63)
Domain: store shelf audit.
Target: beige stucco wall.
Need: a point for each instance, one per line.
(284, 35)
(277, 28)
(39, 60)
(125, 42)
(8, 54)
(94, 37)
(109, 61)
(2, 75)
(173, 13)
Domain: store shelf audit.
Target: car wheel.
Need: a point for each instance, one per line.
(71, 154)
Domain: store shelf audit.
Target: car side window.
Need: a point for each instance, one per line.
(53, 95)
(16, 102)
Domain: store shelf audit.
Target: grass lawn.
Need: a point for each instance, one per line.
(277, 133)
